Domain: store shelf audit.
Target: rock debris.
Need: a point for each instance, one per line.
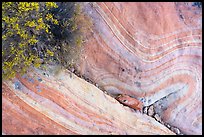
(149, 110)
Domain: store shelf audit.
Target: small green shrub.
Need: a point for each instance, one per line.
(36, 33)
(22, 23)
(70, 34)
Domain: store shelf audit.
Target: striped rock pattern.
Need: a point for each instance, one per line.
(66, 104)
(151, 51)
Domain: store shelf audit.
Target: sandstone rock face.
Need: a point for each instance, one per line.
(42, 103)
(151, 51)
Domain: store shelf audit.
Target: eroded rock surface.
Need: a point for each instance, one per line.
(151, 51)
(45, 103)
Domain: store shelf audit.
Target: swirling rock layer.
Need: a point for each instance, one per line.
(151, 51)
(66, 104)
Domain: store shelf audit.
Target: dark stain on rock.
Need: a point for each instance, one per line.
(17, 85)
(138, 84)
(197, 4)
(181, 16)
(39, 79)
(137, 69)
(31, 80)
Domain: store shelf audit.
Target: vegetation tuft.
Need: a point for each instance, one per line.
(36, 33)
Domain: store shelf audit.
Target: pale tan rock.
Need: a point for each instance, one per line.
(68, 106)
(146, 50)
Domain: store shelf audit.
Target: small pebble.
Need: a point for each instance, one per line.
(72, 69)
(96, 85)
(167, 125)
(150, 111)
(145, 110)
(175, 130)
(157, 117)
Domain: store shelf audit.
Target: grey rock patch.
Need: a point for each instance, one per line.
(150, 111)
(72, 70)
